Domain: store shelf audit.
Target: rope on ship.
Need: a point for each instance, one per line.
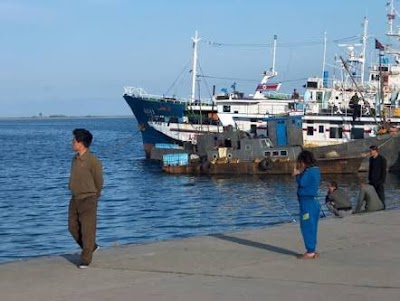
(315, 42)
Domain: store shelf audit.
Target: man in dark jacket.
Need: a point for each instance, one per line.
(377, 173)
(337, 200)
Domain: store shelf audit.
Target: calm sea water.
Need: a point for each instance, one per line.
(139, 203)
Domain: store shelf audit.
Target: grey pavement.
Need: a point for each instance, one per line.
(360, 260)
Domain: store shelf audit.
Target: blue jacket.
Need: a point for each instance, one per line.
(308, 182)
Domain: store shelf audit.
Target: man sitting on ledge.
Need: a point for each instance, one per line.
(337, 200)
(369, 199)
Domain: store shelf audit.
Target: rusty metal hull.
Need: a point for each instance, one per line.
(327, 166)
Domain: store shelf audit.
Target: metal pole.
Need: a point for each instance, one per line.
(324, 57)
(194, 70)
(274, 54)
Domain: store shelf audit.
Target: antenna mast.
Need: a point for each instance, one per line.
(274, 56)
(364, 49)
(324, 57)
(390, 16)
(195, 40)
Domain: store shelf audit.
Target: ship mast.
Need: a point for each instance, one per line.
(274, 57)
(324, 55)
(356, 60)
(195, 40)
(390, 16)
(364, 49)
(271, 72)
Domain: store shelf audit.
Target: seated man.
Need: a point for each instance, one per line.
(369, 199)
(337, 201)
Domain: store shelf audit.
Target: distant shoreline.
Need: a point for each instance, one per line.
(57, 117)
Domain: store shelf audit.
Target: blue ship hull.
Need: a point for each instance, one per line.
(149, 109)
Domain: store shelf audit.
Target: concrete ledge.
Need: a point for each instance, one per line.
(360, 260)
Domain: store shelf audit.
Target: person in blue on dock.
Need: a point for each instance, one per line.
(308, 179)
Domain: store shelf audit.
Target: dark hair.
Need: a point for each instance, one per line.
(373, 147)
(307, 158)
(83, 136)
(334, 184)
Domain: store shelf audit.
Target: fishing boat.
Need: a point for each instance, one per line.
(329, 116)
(277, 166)
(168, 120)
(234, 154)
(351, 107)
(147, 107)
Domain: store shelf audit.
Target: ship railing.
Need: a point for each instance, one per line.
(141, 93)
(280, 96)
(389, 111)
(135, 91)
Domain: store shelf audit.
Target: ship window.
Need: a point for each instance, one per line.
(375, 77)
(247, 147)
(253, 128)
(336, 132)
(275, 153)
(310, 131)
(265, 143)
(332, 132)
(267, 154)
(284, 153)
(321, 129)
(226, 109)
(312, 85)
(340, 132)
(319, 96)
(357, 133)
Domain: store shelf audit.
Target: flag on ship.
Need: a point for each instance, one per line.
(379, 45)
(268, 87)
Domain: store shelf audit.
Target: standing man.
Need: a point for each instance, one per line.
(295, 94)
(377, 172)
(85, 183)
(354, 104)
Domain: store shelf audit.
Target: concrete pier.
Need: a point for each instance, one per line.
(360, 260)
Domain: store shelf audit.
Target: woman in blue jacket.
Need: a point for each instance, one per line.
(308, 179)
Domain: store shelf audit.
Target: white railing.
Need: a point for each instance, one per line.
(133, 91)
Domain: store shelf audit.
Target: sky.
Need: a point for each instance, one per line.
(74, 57)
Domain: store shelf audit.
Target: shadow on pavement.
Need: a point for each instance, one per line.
(72, 258)
(254, 244)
